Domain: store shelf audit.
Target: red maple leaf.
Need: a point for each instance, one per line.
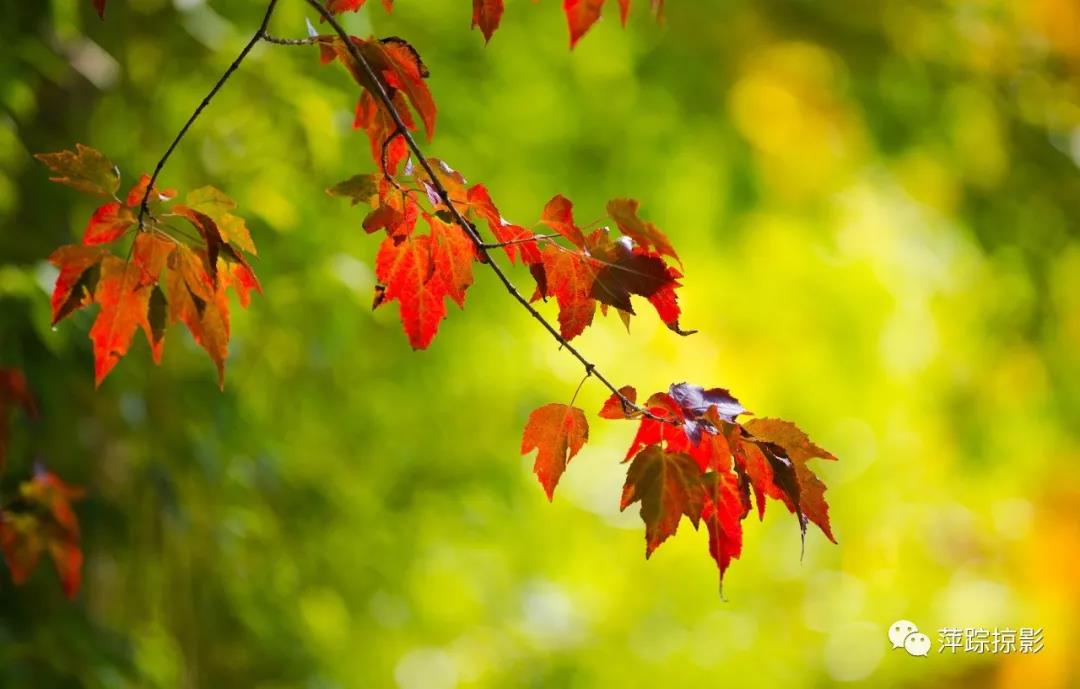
(123, 292)
(731, 459)
(339, 6)
(216, 205)
(603, 270)
(406, 269)
(77, 281)
(388, 147)
(726, 505)
(785, 441)
(391, 211)
(514, 238)
(557, 432)
(452, 253)
(108, 223)
(569, 278)
(580, 16)
(625, 214)
(622, 269)
(398, 68)
(487, 14)
(156, 196)
(559, 215)
(614, 408)
(198, 303)
(669, 485)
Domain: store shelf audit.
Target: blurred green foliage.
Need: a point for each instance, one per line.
(877, 207)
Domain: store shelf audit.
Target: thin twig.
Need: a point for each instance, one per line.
(259, 34)
(535, 238)
(388, 105)
(276, 40)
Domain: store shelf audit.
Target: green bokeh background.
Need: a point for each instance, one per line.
(876, 203)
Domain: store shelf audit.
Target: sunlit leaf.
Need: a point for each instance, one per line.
(85, 169)
(557, 432)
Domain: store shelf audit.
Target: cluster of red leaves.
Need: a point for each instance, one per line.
(167, 277)
(487, 14)
(401, 74)
(692, 457)
(420, 270)
(605, 271)
(582, 14)
(339, 6)
(40, 517)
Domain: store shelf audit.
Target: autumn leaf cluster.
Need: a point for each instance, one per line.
(39, 518)
(169, 275)
(581, 270)
(487, 14)
(692, 457)
(148, 261)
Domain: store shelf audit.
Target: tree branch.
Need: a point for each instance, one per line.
(388, 105)
(259, 34)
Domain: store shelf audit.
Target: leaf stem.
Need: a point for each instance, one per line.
(388, 105)
(259, 34)
(588, 374)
